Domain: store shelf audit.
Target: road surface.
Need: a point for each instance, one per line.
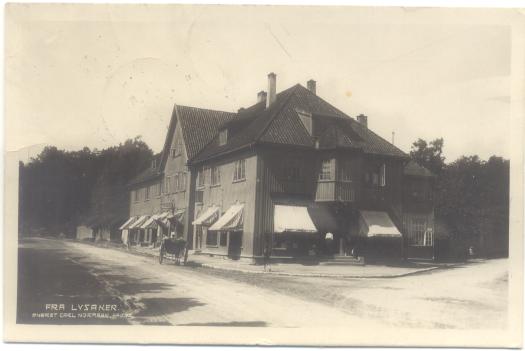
(54, 272)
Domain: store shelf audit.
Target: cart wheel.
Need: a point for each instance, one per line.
(161, 254)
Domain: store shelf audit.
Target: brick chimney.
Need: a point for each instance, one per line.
(261, 96)
(311, 86)
(363, 120)
(271, 89)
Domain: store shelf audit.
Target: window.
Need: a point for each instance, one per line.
(176, 180)
(167, 185)
(376, 176)
(223, 239)
(178, 149)
(223, 136)
(199, 196)
(326, 170)
(154, 163)
(215, 175)
(292, 170)
(346, 171)
(136, 195)
(180, 181)
(419, 231)
(211, 238)
(173, 153)
(382, 175)
(146, 193)
(239, 172)
(306, 119)
(157, 189)
(201, 179)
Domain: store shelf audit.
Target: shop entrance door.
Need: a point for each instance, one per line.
(235, 245)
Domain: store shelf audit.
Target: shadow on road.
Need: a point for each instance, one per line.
(158, 306)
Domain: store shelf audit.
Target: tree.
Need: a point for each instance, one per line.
(429, 155)
(472, 197)
(58, 188)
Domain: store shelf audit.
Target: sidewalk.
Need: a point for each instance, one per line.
(295, 269)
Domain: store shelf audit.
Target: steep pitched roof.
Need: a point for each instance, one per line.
(280, 124)
(198, 126)
(148, 173)
(415, 169)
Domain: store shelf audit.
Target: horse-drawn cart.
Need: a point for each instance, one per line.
(175, 249)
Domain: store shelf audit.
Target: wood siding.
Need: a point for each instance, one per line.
(226, 194)
(143, 206)
(178, 199)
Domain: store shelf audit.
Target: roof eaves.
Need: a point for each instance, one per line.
(196, 160)
(169, 136)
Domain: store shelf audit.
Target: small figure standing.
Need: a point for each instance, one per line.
(329, 239)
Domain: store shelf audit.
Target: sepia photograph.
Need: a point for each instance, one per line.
(263, 175)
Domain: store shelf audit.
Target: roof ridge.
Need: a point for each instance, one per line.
(205, 109)
(324, 101)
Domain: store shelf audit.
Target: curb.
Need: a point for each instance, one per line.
(288, 274)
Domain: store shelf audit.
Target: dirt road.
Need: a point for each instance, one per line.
(472, 296)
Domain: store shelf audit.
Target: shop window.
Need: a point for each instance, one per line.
(223, 239)
(211, 238)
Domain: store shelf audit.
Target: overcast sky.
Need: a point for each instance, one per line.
(94, 76)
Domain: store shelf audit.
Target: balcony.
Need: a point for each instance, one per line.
(332, 190)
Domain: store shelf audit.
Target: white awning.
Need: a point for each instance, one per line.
(292, 219)
(376, 223)
(127, 223)
(138, 222)
(231, 219)
(150, 222)
(207, 217)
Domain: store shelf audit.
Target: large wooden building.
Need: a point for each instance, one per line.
(291, 175)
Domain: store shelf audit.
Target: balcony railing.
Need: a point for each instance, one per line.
(335, 191)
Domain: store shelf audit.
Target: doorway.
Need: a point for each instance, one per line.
(235, 245)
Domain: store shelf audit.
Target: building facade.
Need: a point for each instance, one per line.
(291, 176)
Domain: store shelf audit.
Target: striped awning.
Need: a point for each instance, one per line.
(127, 223)
(151, 223)
(377, 224)
(207, 217)
(232, 219)
(138, 222)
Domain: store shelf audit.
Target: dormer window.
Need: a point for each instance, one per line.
(223, 136)
(306, 119)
